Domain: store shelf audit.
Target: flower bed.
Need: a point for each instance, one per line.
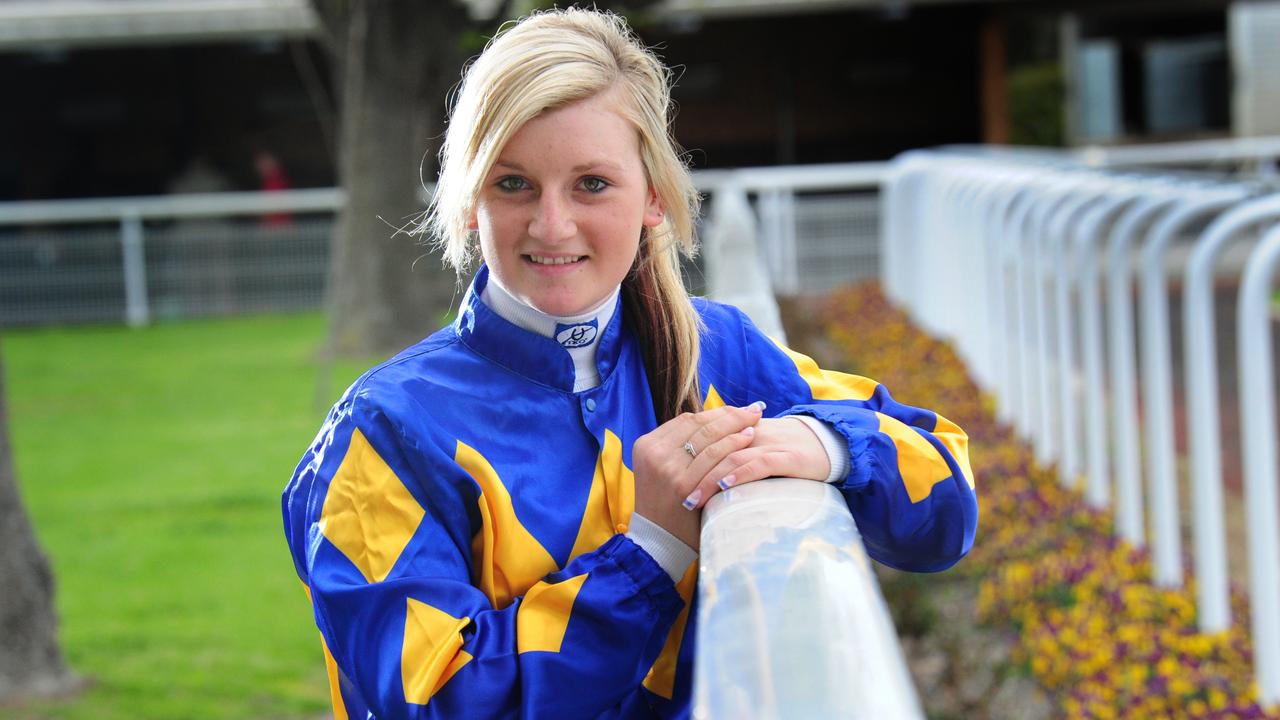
(1092, 628)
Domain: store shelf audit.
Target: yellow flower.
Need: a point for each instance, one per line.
(1039, 665)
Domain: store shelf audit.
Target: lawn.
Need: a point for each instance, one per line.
(152, 462)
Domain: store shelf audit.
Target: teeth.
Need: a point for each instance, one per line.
(554, 261)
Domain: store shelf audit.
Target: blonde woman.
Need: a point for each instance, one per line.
(503, 519)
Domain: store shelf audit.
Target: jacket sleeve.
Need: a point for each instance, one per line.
(385, 530)
(909, 487)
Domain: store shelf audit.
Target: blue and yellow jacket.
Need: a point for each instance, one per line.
(459, 520)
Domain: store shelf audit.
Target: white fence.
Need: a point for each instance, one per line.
(1004, 256)
(136, 259)
(791, 622)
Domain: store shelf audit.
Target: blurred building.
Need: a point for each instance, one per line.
(126, 97)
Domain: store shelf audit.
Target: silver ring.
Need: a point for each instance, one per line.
(693, 452)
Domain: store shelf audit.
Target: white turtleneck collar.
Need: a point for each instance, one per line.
(579, 335)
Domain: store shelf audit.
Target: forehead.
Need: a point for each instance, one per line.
(589, 127)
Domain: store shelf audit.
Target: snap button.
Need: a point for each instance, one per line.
(622, 528)
(591, 405)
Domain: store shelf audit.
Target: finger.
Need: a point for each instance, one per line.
(715, 454)
(746, 465)
(668, 452)
(724, 424)
(686, 424)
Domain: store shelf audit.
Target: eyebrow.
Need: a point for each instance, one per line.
(593, 165)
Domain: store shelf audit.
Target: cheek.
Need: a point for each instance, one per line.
(493, 230)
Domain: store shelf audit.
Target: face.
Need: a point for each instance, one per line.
(561, 212)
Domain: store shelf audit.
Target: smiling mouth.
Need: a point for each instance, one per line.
(543, 260)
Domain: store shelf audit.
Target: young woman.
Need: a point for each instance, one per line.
(503, 519)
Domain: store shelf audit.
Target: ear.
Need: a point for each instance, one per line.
(654, 212)
(473, 223)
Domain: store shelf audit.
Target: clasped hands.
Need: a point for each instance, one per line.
(687, 459)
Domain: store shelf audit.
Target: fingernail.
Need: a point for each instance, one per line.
(749, 431)
(726, 482)
(759, 405)
(692, 501)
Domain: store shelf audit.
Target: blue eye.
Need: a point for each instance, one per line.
(594, 184)
(511, 183)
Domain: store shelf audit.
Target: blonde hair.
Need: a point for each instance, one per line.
(548, 60)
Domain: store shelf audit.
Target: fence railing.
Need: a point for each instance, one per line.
(791, 620)
(138, 258)
(1005, 256)
(791, 623)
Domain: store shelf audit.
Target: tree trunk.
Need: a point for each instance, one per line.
(395, 61)
(31, 663)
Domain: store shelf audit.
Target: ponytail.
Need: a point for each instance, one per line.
(657, 306)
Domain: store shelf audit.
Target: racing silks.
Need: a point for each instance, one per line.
(459, 521)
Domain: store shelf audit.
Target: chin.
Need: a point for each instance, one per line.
(561, 307)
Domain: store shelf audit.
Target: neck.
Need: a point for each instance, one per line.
(578, 334)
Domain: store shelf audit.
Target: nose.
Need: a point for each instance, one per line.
(552, 219)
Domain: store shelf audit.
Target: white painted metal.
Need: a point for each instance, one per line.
(1195, 152)
(1258, 438)
(1068, 378)
(1157, 396)
(979, 291)
(171, 206)
(1155, 199)
(791, 623)
(1060, 193)
(89, 23)
(1019, 347)
(1035, 228)
(799, 178)
(1204, 445)
(1088, 236)
(735, 271)
(137, 312)
(778, 238)
(1013, 187)
(949, 267)
(985, 283)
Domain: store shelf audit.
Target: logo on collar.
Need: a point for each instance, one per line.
(576, 335)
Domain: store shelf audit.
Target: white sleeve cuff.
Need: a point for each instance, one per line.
(833, 442)
(672, 554)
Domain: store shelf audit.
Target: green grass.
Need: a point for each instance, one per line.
(152, 462)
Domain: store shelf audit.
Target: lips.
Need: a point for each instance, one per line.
(562, 260)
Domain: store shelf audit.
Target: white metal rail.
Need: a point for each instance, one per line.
(129, 216)
(1046, 231)
(791, 622)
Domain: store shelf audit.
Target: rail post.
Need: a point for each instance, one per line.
(1087, 236)
(1204, 445)
(1157, 395)
(1063, 271)
(1258, 440)
(1153, 200)
(137, 311)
